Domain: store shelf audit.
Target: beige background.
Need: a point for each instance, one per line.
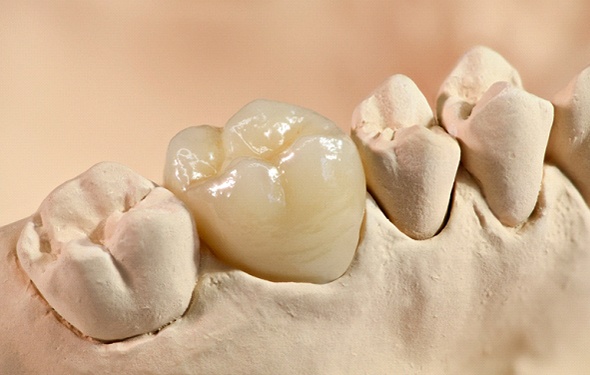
(82, 82)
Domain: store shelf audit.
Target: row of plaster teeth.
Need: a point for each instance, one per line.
(502, 129)
(111, 253)
(279, 192)
(410, 163)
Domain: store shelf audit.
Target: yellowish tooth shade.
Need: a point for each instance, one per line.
(287, 197)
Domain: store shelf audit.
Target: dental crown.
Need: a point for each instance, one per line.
(287, 182)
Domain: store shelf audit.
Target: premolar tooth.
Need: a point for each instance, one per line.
(114, 255)
(503, 140)
(569, 142)
(501, 128)
(288, 199)
(410, 163)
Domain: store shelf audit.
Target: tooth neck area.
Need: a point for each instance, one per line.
(461, 295)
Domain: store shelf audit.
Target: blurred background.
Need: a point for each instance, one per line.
(87, 81)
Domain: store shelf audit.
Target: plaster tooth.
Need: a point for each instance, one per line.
(502, 130)
(113, 254)
(287, 197)
(569, 142)
(410, 163)
(503, 137)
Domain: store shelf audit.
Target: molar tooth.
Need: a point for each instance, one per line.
(569, 142)
(503, 141)
(411, 165)
(288, 199)
(105, 245)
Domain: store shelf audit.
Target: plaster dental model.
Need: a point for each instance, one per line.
(299, 270)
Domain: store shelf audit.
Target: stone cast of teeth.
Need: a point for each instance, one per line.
(569, 142)
(279, 192)
(114, 255)
(502, 130)
(410, 163)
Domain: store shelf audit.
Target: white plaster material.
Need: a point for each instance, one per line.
(569, 143)
(478, 298)
(113, 254)
(502, 129)
(410, 163)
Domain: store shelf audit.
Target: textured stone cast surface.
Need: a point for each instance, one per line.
(477, 298)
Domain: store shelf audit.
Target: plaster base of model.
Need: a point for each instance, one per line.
(477, 298)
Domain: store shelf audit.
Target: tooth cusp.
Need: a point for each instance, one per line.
(410, 163)
(288, 201)
(475, 72)
(395, 104)
(186, 165)
(107, 244)
(255, 132)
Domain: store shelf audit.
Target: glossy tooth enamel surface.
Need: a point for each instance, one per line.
(502, 129)
(410, 163)
(114, 255)
(569, 143)
(279, 192)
